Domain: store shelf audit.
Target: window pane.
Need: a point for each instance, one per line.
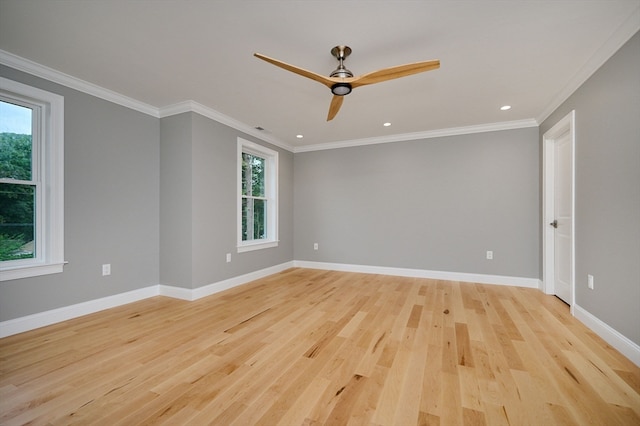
(257, 176)
(245, 219)
(254, 216)
(17, 221)
(15, 141)
(259, 219)
(246, 173)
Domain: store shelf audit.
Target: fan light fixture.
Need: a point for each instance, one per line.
(341, 89)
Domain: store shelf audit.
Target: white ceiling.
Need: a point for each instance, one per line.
(528, 54)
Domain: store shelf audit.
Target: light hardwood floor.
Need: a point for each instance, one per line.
(308, 347)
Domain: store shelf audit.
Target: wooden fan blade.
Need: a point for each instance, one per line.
(327, 81)
(395, 72)
(336, 103)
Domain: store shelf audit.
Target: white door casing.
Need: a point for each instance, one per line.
(558, 208)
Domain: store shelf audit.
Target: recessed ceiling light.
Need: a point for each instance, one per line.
(505, 107)
(387, 124)
(299, 136)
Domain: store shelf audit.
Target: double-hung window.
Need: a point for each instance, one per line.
(257, 196)
(31, 181)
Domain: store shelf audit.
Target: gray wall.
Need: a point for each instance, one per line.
(175, 200)
(198, 204)
(607, 216)
(111, 205)
(435, 204)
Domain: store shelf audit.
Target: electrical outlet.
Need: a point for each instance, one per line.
(106, 269)
(489, 255)
(590, 281)
(315, 246)
(228, 257)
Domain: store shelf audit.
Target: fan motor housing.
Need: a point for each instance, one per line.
(341, 89)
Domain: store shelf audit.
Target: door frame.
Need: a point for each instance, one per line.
(566, 124)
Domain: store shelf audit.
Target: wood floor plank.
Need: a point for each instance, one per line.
(409, 410)
(318, 347)
(300, 409)
(452, 413)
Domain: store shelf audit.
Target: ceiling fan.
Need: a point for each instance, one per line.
(341, 81)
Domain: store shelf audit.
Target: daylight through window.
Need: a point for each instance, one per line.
(31, 181)
(257, 200)
(20, 181)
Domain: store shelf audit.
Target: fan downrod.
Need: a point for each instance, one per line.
(340, 53)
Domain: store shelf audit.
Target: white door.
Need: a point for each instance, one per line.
(558, 210)
(563, 217)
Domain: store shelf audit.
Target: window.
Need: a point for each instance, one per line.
(257, 196)
(31, 181)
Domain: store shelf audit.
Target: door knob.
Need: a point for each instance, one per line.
(554, 223)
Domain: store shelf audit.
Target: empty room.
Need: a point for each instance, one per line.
(329, 212)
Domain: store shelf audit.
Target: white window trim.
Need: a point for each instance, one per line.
(271, 192)
(50, 257)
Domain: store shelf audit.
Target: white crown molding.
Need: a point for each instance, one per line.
(30, 67)
(618, 38)
(403, 137)
(627, 30)
(33, 68)
(192, 106)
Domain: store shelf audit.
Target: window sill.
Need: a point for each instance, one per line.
(32, 270)
(257, 245)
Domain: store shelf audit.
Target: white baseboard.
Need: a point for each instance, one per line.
(422, 273)
(197, 293)
(175, 292)
(31, 322)
(42, 319)
(622, 344)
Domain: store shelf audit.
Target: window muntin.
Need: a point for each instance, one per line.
(31, 181)
(257, 196)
